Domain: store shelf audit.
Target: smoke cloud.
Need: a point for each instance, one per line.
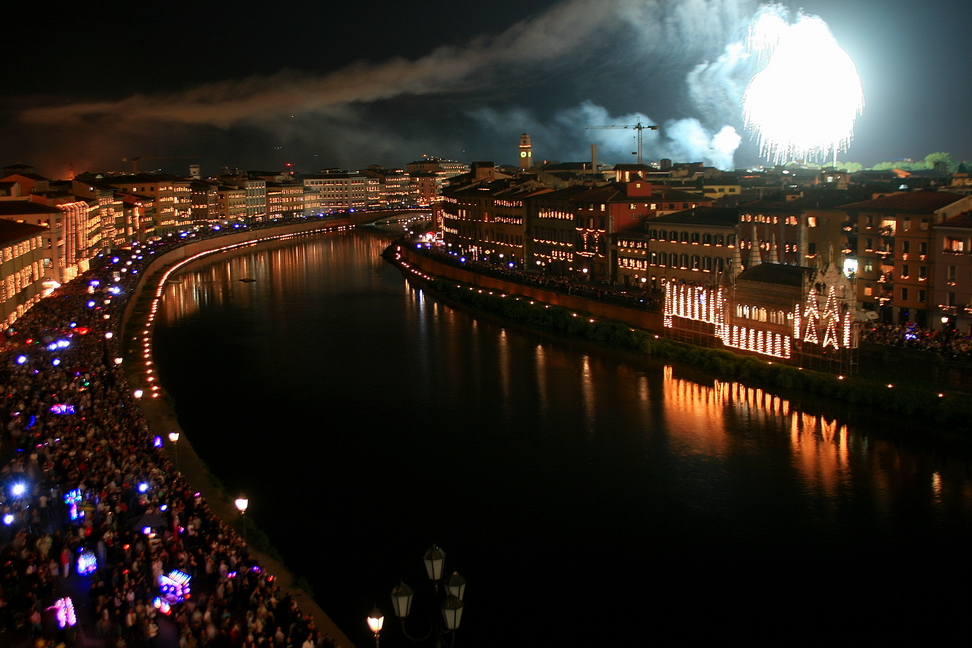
(703, 35)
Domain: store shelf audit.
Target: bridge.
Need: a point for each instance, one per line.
(388, 217)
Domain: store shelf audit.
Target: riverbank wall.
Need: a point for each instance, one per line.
(162, 419)
(645, 320)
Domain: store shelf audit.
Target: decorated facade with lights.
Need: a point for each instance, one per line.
(796, 314)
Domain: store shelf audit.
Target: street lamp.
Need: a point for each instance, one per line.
(451, 604)
(375, 621)
(174, 438)
(241, 503)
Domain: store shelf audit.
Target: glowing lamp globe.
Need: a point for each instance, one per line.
(434, 559)
(174, 437)
(375, 621)
(401, 597)
(242, 503)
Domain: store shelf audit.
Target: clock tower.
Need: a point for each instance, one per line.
(526, 152)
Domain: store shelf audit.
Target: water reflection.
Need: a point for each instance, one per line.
(387, 392)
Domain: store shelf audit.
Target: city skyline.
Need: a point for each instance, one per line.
(316, 89)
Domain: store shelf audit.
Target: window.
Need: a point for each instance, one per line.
(662, 235)
(685, 261)
(953, 244)
(706, 239)
(868, 266)
(905, 271)
(951, 274)
(921, 295)
(811, 221)
(673, 260)
(696, 262)
(685, 237)
(906, 246)
(868, 290)
(922, 273)
(904, 294)
(707, 264)
(695, 238)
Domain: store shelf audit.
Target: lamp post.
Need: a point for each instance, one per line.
(450, 605)
(174, 438)
(241, 503)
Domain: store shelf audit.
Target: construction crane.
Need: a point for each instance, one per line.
(134, 160)
(640, 126)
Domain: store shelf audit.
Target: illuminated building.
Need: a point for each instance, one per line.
(230, 204)
(395, 187)
(205, 198)
(696, 245)
(551, 233)
(891, 244)
(170, 194)
(486, 220)
(952, 287)
(425, 188)
(339, 191)
(22, 260)
(794, 314)
(285, 200)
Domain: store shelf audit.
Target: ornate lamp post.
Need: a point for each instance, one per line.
(451, 604)
(241, 503)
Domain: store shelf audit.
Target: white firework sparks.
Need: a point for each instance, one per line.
(804, 103)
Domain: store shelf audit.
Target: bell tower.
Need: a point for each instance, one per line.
(526, 152)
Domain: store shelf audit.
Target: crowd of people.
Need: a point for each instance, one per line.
(949, 343)
(92, 509)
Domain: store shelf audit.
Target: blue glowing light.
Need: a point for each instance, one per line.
(18, 489)
(21, 359)
(55, 362)
(8, 519)
(462, 259)
(157, 442)
(87, 563)
(62, 408)
(90, 304)
(143, 487)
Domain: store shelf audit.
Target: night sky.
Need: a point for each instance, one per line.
(321, 85)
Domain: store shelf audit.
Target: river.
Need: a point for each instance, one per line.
(588, 496)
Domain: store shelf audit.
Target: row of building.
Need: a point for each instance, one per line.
(903, 243)
(78, 218)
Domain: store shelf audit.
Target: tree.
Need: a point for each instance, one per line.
(941, 161)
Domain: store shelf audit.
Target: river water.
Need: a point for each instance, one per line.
(588, 496)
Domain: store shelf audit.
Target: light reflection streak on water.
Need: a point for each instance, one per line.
(540, 366)
(504, 370)
(589, 396)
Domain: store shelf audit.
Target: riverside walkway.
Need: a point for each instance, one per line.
(95, 513)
